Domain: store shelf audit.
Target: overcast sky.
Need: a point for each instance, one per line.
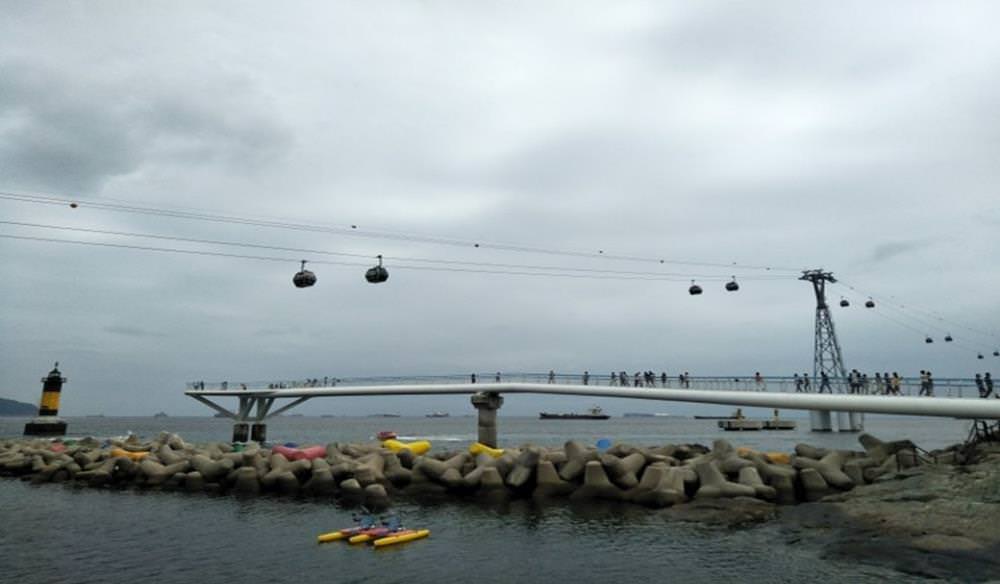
(862, 138)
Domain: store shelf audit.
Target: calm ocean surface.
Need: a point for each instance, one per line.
(57, 533)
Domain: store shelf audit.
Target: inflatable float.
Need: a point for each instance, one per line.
(401, 537)
(418, 447)
(116, 452)
(307, 453)
(479, 447)
(386, 435)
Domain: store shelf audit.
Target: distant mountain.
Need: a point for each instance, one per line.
(9, 407)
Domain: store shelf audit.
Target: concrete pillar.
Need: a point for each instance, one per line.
(820, 421)
(241, 432)
(487, 403)
(258, 432)
(843, 422)
(857, 422)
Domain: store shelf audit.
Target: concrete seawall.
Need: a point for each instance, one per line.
(657, 476)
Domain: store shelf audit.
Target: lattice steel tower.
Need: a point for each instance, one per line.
(826, 351)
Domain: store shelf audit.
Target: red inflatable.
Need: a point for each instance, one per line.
(307, 453)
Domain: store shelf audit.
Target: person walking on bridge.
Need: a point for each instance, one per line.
(663, 378)
(586, 378)
(614, 379)
(824, 382)
(552, 376)
(988, 382)
(758, 380)
(805, 382)
(980, 387)
(798, 383)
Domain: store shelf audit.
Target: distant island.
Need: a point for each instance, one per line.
(9, 407)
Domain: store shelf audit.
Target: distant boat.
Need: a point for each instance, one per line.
(383, 415)
(160, 415)
(594, 413)
(438, 415)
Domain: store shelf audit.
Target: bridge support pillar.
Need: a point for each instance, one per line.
(487, 403)
(857, 422)
(241, 432)
(843, 421)
(820, 421)
(258, 432)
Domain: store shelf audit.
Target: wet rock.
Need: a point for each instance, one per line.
(714, 484)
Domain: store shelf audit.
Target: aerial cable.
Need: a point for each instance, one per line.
(358, 255)
(891, 301)
(353, 231)
(651, 278)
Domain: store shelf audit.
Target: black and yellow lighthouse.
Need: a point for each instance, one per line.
(48, 422)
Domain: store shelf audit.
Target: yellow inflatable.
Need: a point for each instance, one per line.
(479, 447)
(394, 539)
(418, 447)
(116, 452)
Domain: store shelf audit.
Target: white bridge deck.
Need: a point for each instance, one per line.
(262, 400)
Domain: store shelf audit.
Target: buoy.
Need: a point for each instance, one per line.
(402, 538)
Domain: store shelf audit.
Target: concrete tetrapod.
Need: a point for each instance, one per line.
(830, 466)
(524, 469)
(548, 483)
(750, 477)
(660, 486)
(245, 481)
(714, 485)
(596, 485)
(814, 486)
(577, 456)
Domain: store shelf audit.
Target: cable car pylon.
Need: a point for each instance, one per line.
(827, 359)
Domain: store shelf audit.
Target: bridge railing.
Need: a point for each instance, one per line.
(944, 387)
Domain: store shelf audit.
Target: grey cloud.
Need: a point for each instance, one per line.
(892, 249)
(136, 332)
(73, 136)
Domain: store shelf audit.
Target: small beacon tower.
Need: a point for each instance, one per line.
(48, 422)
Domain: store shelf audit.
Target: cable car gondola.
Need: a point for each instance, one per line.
(377, 274)
(869, 303)
(996, 353)
(304, 278)
(844, 303)
(928, 340)
(947, 338)
(695, 289)
(979, 356)
(732, 286)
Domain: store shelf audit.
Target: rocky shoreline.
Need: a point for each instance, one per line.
(933, 514)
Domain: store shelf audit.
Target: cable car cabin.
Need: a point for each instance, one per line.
(869, 303)
(377, 274)
(979, 356)
(928, 340)
(304, 278)
(844, 303)
(732, 286)
(694, 290)
(947, 338)
(996, 353)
